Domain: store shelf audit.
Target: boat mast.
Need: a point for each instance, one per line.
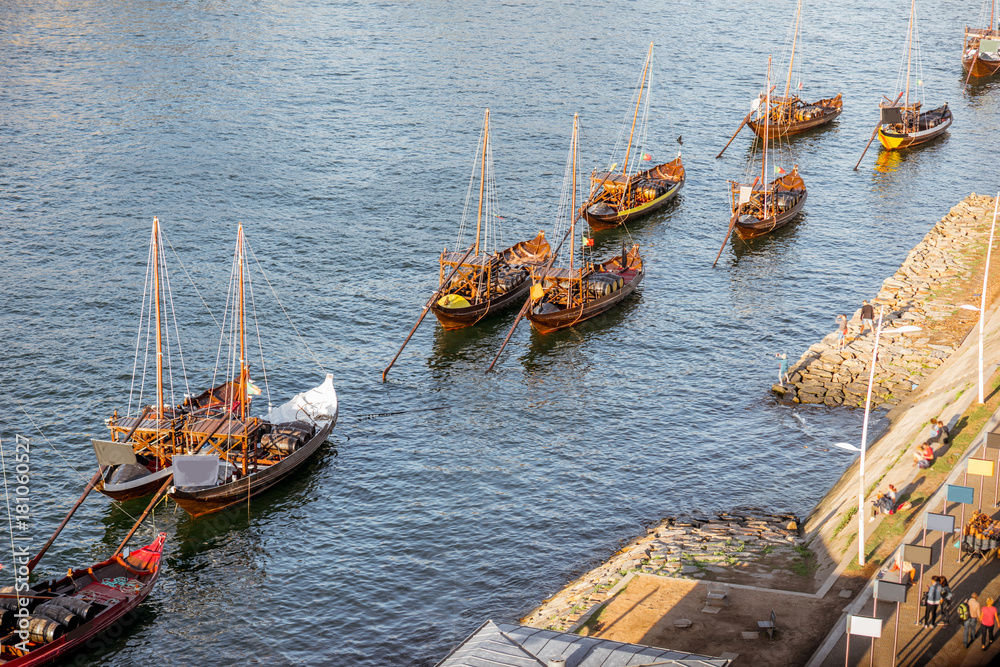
(572, 206)
(642, 85)
(909, 53)
(244, 371)
(767, 118)
(159, 339)
(482, 173)
(788, 84)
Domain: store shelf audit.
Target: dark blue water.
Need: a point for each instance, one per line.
(342, 136)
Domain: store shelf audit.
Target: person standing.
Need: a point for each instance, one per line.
(933, 602)
(969, 631)
(946, 596)
(867, 317)
(841, 331)
(782, 368)
(988, 619)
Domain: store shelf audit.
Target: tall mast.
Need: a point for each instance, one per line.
(244, 371)
(159, 338)
(909, 52)
(482, 173)
(791, 61)
(572, 205)
(993, 6)
(767, 118)
(642, 85)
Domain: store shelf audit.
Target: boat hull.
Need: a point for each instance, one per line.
(200, 502)
(459, 318)
(136, 488)
(616, 218)
(833, 108)
(980, 67)
(567, 317)
(749, 227)
(894, 141)
(123, 602)
(601, 214)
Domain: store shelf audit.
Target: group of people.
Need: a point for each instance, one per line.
(977, 619)
(867, 321)
(885, 503)
(924, 456)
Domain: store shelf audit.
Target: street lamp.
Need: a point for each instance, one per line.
(982, 298)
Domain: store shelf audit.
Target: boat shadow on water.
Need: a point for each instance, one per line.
(771, 243)
(470, 345)
(542, 349)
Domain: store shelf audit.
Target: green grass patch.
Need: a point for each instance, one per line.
(846, 520)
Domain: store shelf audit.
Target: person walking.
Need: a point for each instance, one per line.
(867, 317)
(969, 624)
(933, 602)
(988, 620)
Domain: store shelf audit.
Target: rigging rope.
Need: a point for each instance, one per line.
(280, 305)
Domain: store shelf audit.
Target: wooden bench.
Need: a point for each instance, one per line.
(770, 625)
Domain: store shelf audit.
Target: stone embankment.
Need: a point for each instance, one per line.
(921, 293)
(687, 548)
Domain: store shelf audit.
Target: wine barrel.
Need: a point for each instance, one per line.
(43, 630)
(84, 610)
(60, 615)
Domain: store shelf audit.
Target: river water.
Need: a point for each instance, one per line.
(342, 135)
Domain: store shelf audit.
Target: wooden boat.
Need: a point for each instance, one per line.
(67, 613)
(788, 114)
(246, 455)
(618, 197)
(767, 209)
(791, 115)
(904, 125)
(981, 48)
(761, 206)
(483, 284)
(564, 296)
(484, 281)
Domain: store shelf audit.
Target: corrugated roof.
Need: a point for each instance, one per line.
(507, 645)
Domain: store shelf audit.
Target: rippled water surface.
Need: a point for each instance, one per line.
(342, 135)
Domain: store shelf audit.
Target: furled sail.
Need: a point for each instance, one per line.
(317, 404)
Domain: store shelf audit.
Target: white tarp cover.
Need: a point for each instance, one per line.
(196, 470)
(317, 404)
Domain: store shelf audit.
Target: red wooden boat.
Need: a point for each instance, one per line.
(67, 613)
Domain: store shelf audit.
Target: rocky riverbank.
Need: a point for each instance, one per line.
(744, 546)
(926, 291)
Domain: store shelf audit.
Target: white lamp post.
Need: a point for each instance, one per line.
(982, 299)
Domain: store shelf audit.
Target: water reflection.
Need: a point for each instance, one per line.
(475, 345)
(773, 245)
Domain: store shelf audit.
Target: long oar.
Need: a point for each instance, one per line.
(86, 491)
(732, 224)
(872, 138)
(427, 307)
(746, 119)
(149, 508)
(974, 59)
(527, 303)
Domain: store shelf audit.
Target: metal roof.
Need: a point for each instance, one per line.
(507, 645)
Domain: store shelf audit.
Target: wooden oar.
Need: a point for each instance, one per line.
(746, 119)
(427, 307)
(527, 303)
(974, 59)
(86, 491)
(732, 224)
(149, 508)
(874, 132)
